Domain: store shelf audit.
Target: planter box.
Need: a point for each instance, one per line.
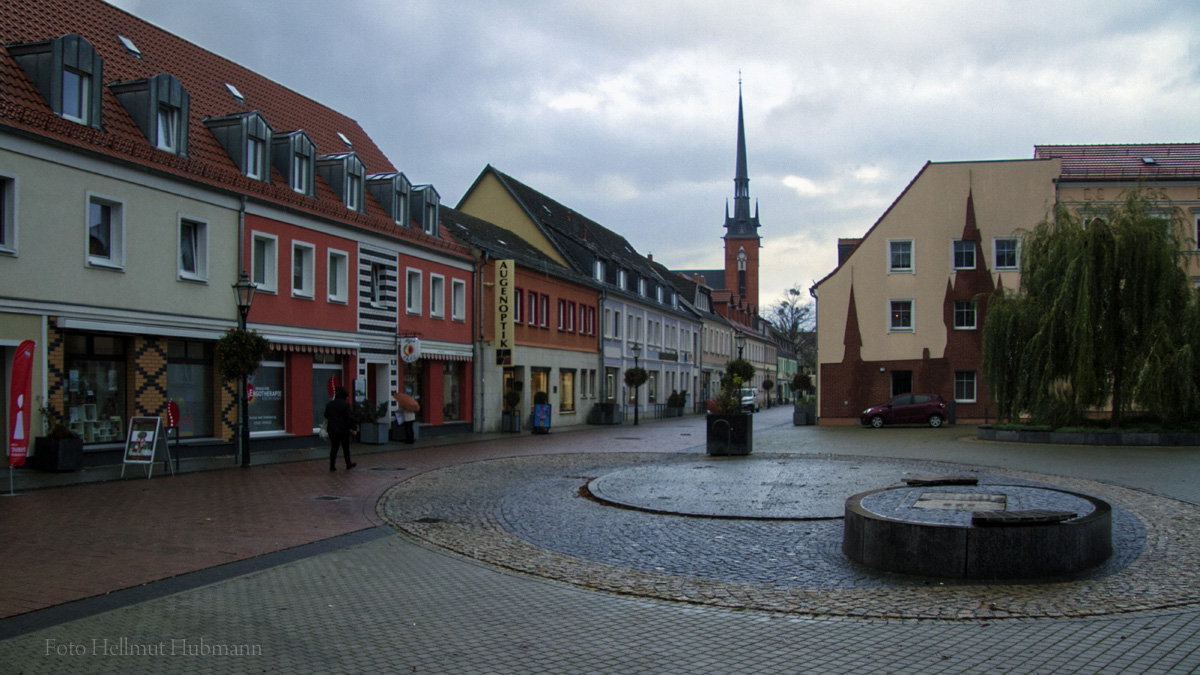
(605, 413)
(731, 434)
(804, 414)
(372, 433)
(510, 423)
(674, 412)
(57, 454)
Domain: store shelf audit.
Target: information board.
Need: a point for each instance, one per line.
(143, 442)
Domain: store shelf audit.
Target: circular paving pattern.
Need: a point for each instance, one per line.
(535, 515)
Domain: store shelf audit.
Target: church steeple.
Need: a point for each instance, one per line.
(742, 224)
(741, 229)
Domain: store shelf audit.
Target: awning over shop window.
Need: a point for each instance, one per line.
(313, 349)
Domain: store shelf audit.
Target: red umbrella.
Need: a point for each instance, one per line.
(407, 402)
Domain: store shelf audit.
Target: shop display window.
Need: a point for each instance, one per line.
(452, 374)
(190, 386)
(95, 387)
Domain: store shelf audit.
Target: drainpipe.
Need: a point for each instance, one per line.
(480, 396)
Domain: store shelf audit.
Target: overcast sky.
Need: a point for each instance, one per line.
(626, 111)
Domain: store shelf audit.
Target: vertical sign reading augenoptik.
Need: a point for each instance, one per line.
(505, 320)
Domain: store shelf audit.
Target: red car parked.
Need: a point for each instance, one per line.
(907, 409)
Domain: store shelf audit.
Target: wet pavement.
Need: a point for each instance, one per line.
(501, 561)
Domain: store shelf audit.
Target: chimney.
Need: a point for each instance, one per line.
(650, 257)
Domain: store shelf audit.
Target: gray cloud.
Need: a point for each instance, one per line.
(627, 110)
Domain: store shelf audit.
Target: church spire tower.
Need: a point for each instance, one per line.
(741, 229)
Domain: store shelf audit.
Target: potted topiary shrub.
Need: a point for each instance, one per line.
(60, 449)
(368, 415)
(805, 408)
(767, 385)
(511, 419)
(675, 403)
(730, 429)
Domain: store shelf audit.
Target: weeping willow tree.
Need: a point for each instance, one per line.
(1105, 316)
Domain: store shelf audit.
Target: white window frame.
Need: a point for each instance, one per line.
(437, 296)
(641, 285)
(308, 274)
(912, 257)
(256, 150)
(458, 300)
(621, 279)
(301, 172)
(954, 255)
(996, 266)
(974, 316)
(166, 118)
(200, 252)
(269, 282)
(974, 386)
(354, 190)
(544, 316)
(598, 270)
(338, 278)
(562, 314)
(412, 292)
(116, 235)
(84, 90)
(8, 214)
(912, 316)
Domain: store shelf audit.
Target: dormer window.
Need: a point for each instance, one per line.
(344, 173)
(394, 193)
(293, 155)
(658, 291)
(67, 72)
(425, 209)
(598, 270)
(245, 136)
(641, 286)
(159, 106)
(621, 279)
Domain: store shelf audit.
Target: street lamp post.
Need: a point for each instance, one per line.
(637, 351)
(741, 343)
(244, 292)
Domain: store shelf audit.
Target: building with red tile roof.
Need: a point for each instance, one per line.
(140, 174)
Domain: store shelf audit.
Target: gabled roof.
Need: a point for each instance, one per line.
(204, 75)
(710, 278)
(580, 239)
(1164, 161)
(503, 244)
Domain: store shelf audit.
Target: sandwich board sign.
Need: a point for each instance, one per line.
(143, 442)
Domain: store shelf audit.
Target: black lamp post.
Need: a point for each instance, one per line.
(741, 342)
(244, 292)
(637, 351)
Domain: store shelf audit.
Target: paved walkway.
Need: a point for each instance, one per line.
(253, 571)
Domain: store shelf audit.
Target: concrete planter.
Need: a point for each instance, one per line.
(510, 422)
(57, 454)
(373, 433)
(730, 434)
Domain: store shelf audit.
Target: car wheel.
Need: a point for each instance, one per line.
(876, 421)
(935, 421)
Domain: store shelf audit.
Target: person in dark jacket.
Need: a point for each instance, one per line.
(340, 424)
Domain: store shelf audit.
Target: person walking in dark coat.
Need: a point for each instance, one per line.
(340, 424)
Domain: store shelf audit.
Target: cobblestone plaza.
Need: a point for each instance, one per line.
(499, 556)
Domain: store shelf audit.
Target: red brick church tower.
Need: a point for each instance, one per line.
(741, 230)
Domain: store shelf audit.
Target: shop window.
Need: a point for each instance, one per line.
(303, 274)
(267, 395)
(336, 274)
(326, 377)
(193, 249)
(539, 380)
(452, 387)
(566, 391)
(263, 262)
(189, 385)
(95, 387)
(437, 296)
(106, 232)
(458, 300)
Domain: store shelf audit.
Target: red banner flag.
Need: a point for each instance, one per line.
(20, 408)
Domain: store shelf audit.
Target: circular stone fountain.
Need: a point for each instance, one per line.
(968, 531)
